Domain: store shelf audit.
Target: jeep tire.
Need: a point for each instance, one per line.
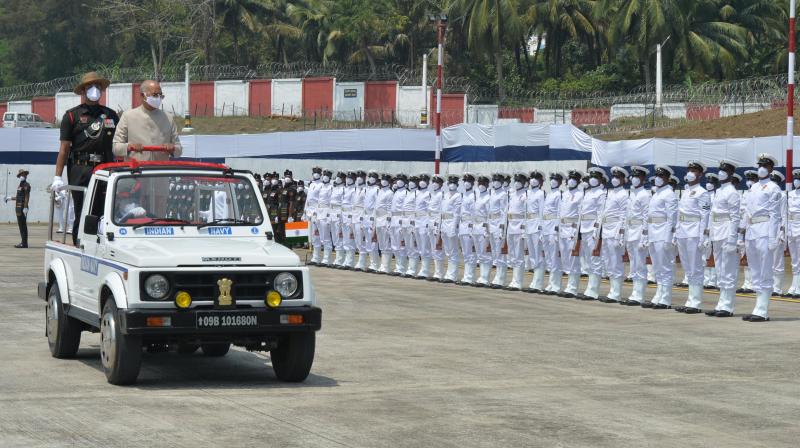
(216, 349)
(120, 354)
(293, 357)
(63, 332)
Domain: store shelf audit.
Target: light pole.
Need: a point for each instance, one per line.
(659, 75)
(441, 23)
(790, 99)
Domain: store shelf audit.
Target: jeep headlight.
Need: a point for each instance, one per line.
(156, 286)
(285, 284)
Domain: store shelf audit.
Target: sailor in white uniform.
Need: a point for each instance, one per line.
(710, 270)
(325, 217)
(636, 233)
(533, 230)
(751, 177)
(465, 225)
(422, 224)
(568, 232)
(613, 219)
(409, 224)
(383, 215)
(435, 228)
(498, 208)
(550, 234)
(312, 215)
(594, 198)
(724, 232)
(451, 209)
(691, 236)
(762, 235)
(517, 207)
(396, 224)
(778, 261)
(480, 231)
(661, 221)
(793, 234)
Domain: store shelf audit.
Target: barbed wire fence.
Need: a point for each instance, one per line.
(737, 96)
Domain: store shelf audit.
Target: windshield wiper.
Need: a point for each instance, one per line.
(222, 221)
(161, 221)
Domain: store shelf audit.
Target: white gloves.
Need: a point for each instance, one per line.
(291, 219)
(58, 183)
(621, 242)
(25, 211)
(138, 212)
(674, 240)
(643, 243)
(706, 243)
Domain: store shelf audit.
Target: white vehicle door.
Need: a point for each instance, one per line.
(92, 267)
(8, 120)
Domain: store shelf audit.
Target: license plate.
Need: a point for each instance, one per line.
(226, 320)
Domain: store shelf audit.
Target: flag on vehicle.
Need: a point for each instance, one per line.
(297, 232)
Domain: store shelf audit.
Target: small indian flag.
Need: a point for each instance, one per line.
(297, 232)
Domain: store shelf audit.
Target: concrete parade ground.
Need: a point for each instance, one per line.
(409, 363)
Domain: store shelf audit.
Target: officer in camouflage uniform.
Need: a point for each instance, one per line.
(21, 200)
(285, 207)
(299, 201)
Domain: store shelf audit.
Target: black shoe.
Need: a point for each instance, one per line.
(21, 246)
(748, 291)
(723, 314)
(566, 295)
(507, 288)
(747, 317)
(739, 290)
(493, 286)
(357, 270)
(711, 313)
(311, 263)
(661, 306)
(622, 302)
(628, 280)
(549, 293)
(754, 318)
(647, 305)
(634, 303)
(407, 276)
(690, 310)
(446, 281)
(371, 271)
(533, 291)
(584, 275)
(609, 300)
(680, 309)
(775, 294)
(650, 282)
(419, 277)
(584, 297)
(432, 279)
(395, 274)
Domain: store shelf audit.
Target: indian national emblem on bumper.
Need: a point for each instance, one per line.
(225, 298)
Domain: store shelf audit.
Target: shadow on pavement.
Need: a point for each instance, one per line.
(236, 370)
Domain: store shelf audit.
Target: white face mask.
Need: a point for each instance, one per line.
(659, 182)
(636, 182)
(553, 184)
(22, 178)
(349, 181)
(467, 185)
(594, 182)
(412, 185)
(534, 183)
(723, 175)
(710, 186)
(482, 188)
(400, 184)
(437, 186)
(384, 183)
(691, 177)
(749, 183)
(518, 185)
(505, 184)
(338, 181)
(796, 183)
(452, 187)
(616, 182)
(274, 182)
(315, 176)
(300, 188)
(371, 180)
(287, 180)
(496, 184)
(153, 101)
(423, 185)
(326, 179)
(763, 172)
(572, 183)
(360, 181)
(93, 93)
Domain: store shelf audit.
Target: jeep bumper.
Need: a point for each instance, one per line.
(200, 322)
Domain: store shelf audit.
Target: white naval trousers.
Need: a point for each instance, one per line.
(550, 245)
(691, 259)
(662, 254)
(516, 250)
(760, 261)
(727, 264)
(612, 257)
(594, 265)
(638, 260)
(535, 255)
(569, 265)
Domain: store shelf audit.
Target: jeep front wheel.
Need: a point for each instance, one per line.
(120, 354)
(293, 357)
(63, 332)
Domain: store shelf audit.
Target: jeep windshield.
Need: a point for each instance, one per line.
(193, 200)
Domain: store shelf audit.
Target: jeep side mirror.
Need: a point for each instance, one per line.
(270, 235)
(90, 224)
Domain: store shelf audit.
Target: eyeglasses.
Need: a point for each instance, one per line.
(155, 95)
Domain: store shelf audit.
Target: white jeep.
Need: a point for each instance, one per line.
(177, 254)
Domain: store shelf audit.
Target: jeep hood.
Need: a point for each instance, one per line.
(163, 252)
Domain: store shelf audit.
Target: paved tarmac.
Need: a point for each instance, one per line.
(406, 363)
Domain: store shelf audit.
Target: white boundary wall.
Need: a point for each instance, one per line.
(120, 96)
(410, 103)
(348, 109)
(482, 113)
(64, 102)
(732, 109)
(552, 116)
(287, 97)
(231, 98)
(19, 106)
(174, 98)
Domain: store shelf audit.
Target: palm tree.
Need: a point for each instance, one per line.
(489, 25)
(240, 16)
(561, 21)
